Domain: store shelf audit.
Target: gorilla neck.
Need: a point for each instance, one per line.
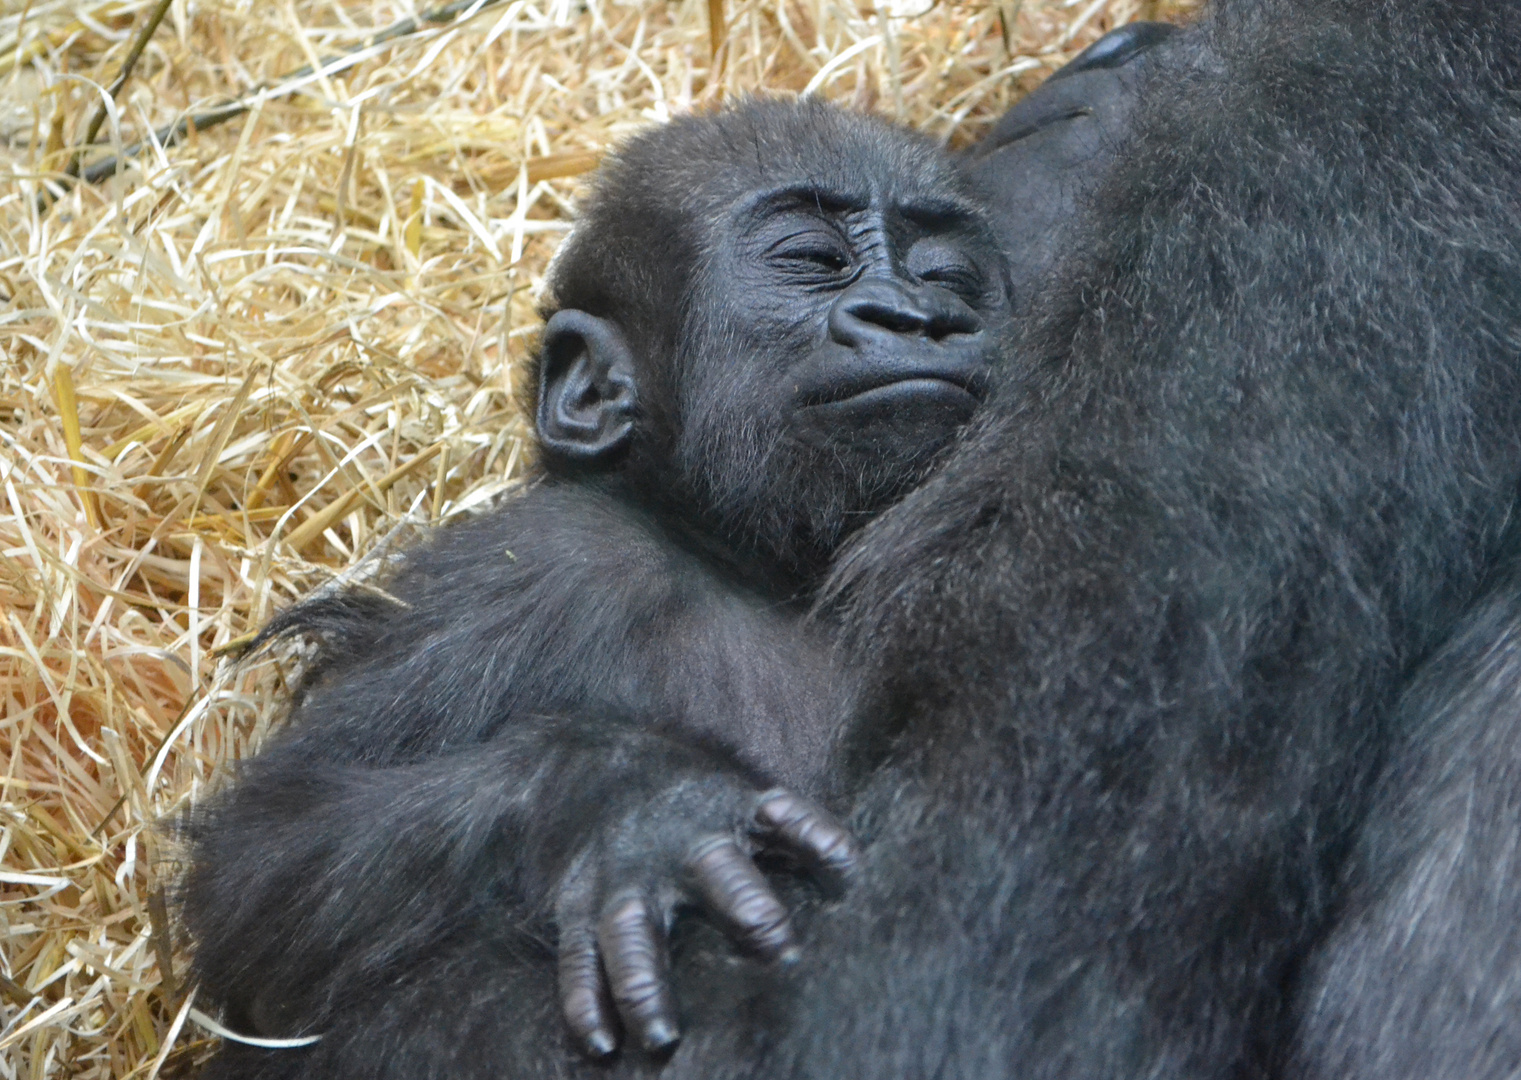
(775, 561)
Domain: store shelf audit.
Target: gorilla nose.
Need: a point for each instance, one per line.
(875, 307)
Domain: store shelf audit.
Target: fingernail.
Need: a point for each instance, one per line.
(660, 1036)
(601, 1044)
(790, 955)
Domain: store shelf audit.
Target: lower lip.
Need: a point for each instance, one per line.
(905, 392)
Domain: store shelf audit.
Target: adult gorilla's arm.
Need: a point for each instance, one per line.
(1422, 975)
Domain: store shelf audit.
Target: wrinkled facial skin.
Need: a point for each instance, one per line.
(845, 335)
(873, 315)
(771, 323)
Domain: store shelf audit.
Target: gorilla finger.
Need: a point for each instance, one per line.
(733, 887)
(633, 954)
(584, 997)
(814, 834)
(1118, 47)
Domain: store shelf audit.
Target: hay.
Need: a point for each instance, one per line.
(234, 368)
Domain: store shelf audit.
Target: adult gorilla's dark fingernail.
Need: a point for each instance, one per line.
(1118, 47)
(790, 955)
(601, 1044)
(659, 1035)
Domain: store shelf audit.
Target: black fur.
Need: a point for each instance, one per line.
(1140, 641)
(1045, 155)
(1131, 744)
(1421, 976)
(571, 697)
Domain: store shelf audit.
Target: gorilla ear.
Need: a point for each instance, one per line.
(587, 391)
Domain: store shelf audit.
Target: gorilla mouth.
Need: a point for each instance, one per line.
(903, 388)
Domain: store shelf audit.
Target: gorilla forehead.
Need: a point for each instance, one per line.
(658, 202)
(683, 178)
(766, 144)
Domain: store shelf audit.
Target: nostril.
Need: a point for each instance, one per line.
(958, 320)
(897, 318)
(872, 308)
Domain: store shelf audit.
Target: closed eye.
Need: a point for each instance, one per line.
(813, 253)
(962, 279)
(832, 261)
(945, 263)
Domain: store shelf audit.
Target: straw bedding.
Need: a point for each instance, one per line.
(242, 363)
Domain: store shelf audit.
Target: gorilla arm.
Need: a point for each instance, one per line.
(1421, 976)
(311, 874)
(553, 710)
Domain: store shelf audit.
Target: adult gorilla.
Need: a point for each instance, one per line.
(1140, 644)
(1137, 649)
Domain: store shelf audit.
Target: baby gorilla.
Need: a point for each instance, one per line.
(817, 329)
(581, 708)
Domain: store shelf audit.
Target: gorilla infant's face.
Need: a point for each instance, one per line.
(863, 315)
(773, 318)
(843, 327)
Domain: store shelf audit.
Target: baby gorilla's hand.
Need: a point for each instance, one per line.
(695, 845)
